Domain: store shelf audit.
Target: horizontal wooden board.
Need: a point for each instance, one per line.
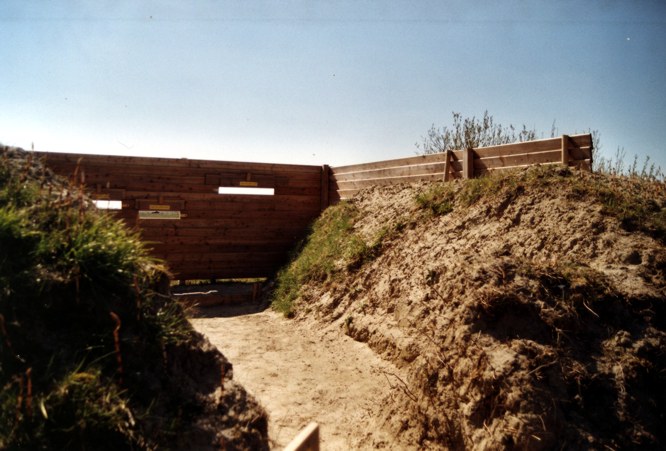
(229, 258)
(216, 235)
(400, 171)
(542, 145)
(206, 273)
(156, 234)
(554, 156)
(518, 160)
(421, 159)
(359, 184)
(220, 224)
(184, 247)
(107, 160)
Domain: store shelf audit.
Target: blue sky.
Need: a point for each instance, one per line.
(334, 82)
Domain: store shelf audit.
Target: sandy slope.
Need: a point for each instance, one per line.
(300, 374)
(530, 318)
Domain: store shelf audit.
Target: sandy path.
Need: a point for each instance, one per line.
(300, 375)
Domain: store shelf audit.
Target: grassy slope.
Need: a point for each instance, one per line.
(91, 345)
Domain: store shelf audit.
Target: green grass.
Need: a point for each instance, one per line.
(331, 248)
(319, 256)
(639, 203)
(65, 270)
(437, 199)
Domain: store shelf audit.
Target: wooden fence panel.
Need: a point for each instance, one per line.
(571, 150)
(203, 234)
(216, 235)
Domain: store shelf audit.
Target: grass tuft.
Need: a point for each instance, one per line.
(83, 326)
(331, 248)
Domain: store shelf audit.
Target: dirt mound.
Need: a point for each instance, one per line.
(94, 353)
(527, 310)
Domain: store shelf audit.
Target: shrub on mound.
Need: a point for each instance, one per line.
(94, 354)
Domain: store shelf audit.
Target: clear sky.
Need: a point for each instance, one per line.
(314, 82)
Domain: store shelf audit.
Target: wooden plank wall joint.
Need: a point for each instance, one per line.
(325, 186)
(306, 440)
(468, 163)
(565, 150)
(447, 165)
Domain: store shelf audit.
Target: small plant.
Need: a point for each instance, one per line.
(348, 322)
(438, 199)
(468, 133)
(431, 277)
(616, 166)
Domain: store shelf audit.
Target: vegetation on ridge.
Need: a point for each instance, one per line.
(91, 344)
(525, 308)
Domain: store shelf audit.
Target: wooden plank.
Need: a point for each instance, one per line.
(397, 171)
(105, 160)
(447, 165)
(222, 258)
(324, 184)
(185, 176)
(564, 149)
(214, 196)
(181, 246)
(358, 184)
(108, 194)
(468, 163)
(503, 150)
(306, 440)
(250, 214)
(421, 159)
(277, 234)
(277, 223)
(159, 204)
(247, 178)
(542, 145)
(209, 273)
(518, 160)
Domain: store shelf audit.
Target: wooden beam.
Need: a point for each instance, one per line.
(306, 440)
(565, 150)
(447, 165)
(468, 163)
(325, 182)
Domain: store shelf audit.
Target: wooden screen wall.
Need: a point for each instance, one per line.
(217, 235)
(204, 235)
(570, 150)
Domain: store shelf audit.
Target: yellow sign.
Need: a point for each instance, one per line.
(244, 183)
(159, 207)
(100, 196)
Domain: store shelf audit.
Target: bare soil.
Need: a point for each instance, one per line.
(531, 319)
(301, 372)
(528, 320)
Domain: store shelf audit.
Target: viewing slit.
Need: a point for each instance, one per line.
(108, 204)
(246, 191)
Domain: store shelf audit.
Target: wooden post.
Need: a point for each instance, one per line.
(256, 288)
(306, 440)
(468, 163)
(447, 165)
(565, 150)
(325, 181)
